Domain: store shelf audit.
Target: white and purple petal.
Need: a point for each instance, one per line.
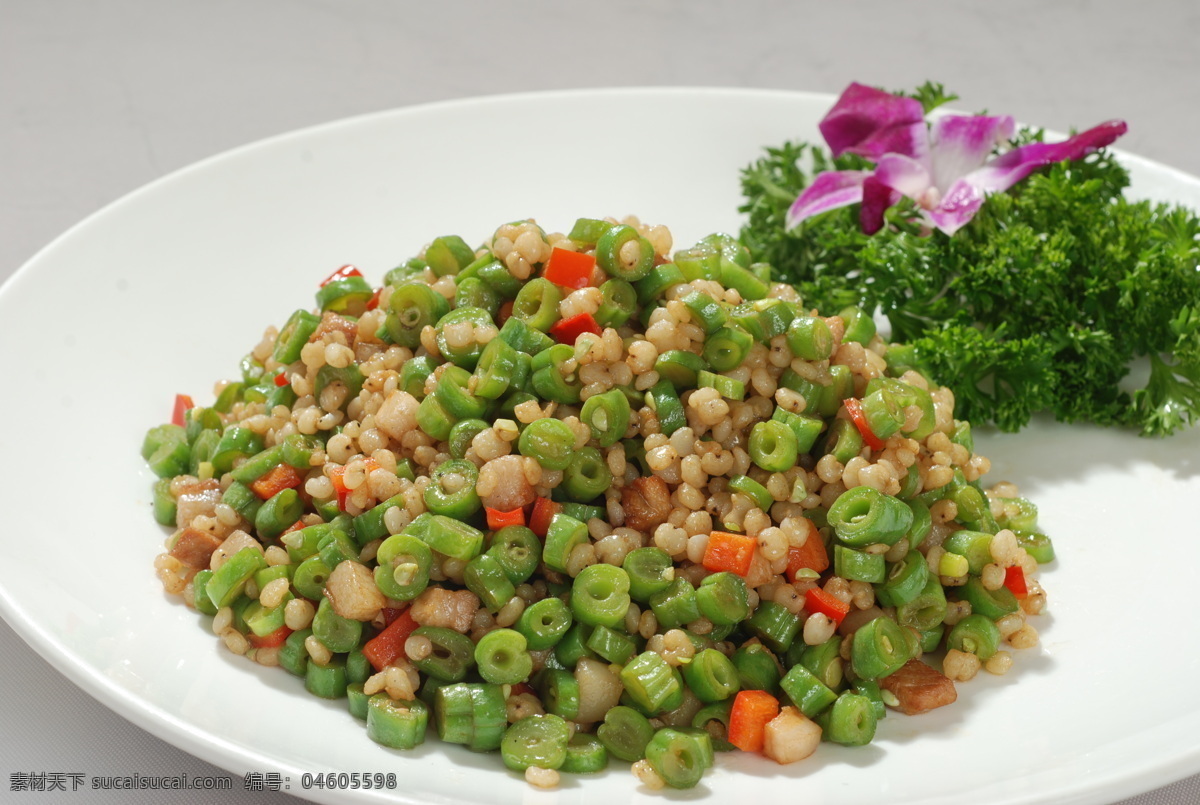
(903, 174)
(870, 122)
(828, 191)
(1009, 168)
(957, 206)
(962, 143)
(876, 198)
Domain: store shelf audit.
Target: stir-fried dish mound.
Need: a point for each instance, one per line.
(573, 498)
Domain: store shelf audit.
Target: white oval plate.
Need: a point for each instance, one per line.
(164, 290)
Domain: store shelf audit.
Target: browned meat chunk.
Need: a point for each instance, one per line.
(502, 484)
(647, 503)
(194, 547)
(352, 592)
(333, 323)
(919, 688)
(449, 609)
(195, 499)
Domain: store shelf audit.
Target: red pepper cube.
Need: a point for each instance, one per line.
(341, 274)
(854, 409)
(388, 646)
(1014, 580)
(543, 512)
(273, 640)
(497, 519)
(817, 600)
(183, 404)
(567, 331)
(729, 552)
(277, 479)
(812, 555)
(569, 269)
(748, 718)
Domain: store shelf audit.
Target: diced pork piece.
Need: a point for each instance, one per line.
(196, 499)
(919, 688)
(451, 609)
(333, 323)
(352, 592)
(647, 503)
(233, 543)
(194, 547)
(503, 486)
(791, 736)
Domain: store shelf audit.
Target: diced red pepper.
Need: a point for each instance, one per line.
(296, 526)
(341, 274)
(277, 479)
(729, 552)
(521, 687)
(854, 409)
(388, 646)
(373, 302)
(748, 718)
(569, 269)
(812, 554)
(273, 640)
(281, 380)
(337, 476)
(1014, 580)
(544, 510)
(817, 600)
(390, 614)
(183, 404)
(567, 330)
(505, 311)
(497, 519)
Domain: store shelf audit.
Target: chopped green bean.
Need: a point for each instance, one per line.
(711, 676)
(625, 733)
(679, 757)
(548, 441)
(396, 723)
(865, 516)
(652, 684)
(451, 655)
(587, 475)
(537, 740)
(851, 721)
(600, 596)
(773, 446)
(502, 657)
(611, 254)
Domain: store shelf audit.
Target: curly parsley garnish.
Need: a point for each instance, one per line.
(1044, 301)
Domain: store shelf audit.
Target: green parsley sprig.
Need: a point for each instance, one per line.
(1044, 301)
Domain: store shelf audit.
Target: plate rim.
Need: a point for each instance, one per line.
(227, 754)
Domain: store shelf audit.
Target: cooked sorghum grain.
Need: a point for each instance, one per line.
(368, 456)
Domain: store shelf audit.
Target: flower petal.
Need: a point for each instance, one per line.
(876, 198)
(958, 206)
(962, 143)
(903, 174)
(828, 191)
(1007, 169)
(870, 122)
(966, 195)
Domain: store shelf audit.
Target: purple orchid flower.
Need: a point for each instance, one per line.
(948, 167)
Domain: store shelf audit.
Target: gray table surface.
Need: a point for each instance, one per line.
(98, 97)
